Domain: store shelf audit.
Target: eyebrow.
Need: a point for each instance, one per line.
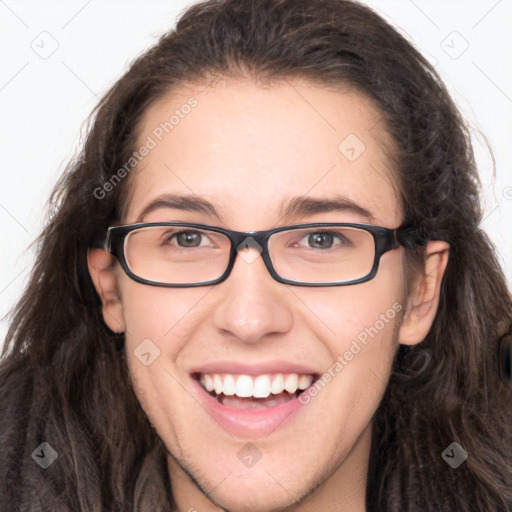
(184, 202)
(302, 206)
(293, 207)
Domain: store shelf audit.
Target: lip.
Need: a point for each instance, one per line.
(247, 423)
(269, 367)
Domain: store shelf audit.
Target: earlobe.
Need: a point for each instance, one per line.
(423, 300)
(102, 271)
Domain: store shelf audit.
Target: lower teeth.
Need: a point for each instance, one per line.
(255, 403)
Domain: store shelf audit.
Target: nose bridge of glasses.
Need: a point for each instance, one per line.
(249, 249)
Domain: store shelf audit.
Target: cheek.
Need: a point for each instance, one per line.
(360, 326)
(152, 317)
(159, 313)
(159, 322)
(366, 312)
(350, 389)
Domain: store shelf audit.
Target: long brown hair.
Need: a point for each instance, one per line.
(63, 375)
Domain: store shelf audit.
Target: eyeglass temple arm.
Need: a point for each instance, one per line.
(409, 237)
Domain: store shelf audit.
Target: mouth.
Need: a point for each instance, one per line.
(252, 405)
(254, 391)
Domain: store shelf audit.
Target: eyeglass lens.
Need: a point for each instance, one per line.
(181, 255)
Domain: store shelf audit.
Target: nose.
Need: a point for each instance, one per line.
(252, 304)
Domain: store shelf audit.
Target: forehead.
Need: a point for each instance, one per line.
(249, 149)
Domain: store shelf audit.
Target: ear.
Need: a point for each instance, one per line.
(423, 300)
(102, 269)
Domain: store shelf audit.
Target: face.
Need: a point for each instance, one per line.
(249, 150)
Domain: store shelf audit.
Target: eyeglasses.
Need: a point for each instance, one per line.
(179, 254)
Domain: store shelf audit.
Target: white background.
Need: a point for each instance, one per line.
(43, 101)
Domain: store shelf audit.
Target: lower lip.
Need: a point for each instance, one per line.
(248, 422)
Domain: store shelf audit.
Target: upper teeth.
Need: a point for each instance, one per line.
(259, 386)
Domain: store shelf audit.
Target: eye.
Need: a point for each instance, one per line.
(320, 240)
(326, 239)
(186, 239)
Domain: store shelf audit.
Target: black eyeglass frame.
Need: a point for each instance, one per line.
(386, 239)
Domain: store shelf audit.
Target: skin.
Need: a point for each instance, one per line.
(247, 147)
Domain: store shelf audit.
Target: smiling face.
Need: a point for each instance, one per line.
(249, 151)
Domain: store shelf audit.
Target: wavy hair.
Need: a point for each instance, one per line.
(63, 373)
